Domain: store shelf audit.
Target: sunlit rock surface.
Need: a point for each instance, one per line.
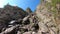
(45, 19)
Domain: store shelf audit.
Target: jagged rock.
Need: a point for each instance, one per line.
(9, 30)
(11, 13)
(27, 32)
(46, 20)
(59, 29)
(34, 32)
(18, 32)
(28, 10)
(52, 32)
(13, 20)
(54, 29)
(43, 27)
(25, 19)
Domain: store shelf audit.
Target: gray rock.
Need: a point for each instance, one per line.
(8, 30)
(27, 32)
(18, 32)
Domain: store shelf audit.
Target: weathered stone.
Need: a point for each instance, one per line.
(43, 27)
(18, 32)
(8, 30)
(27, 32)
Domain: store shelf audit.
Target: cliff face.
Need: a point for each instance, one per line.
(48, 13)
(11, 13)
(45, 20)
(50, 8)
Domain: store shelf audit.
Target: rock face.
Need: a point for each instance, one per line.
(45, 20)
(9, 13)
(28, 10)
(47, 23)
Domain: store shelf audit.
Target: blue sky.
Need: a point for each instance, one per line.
(21, 3)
